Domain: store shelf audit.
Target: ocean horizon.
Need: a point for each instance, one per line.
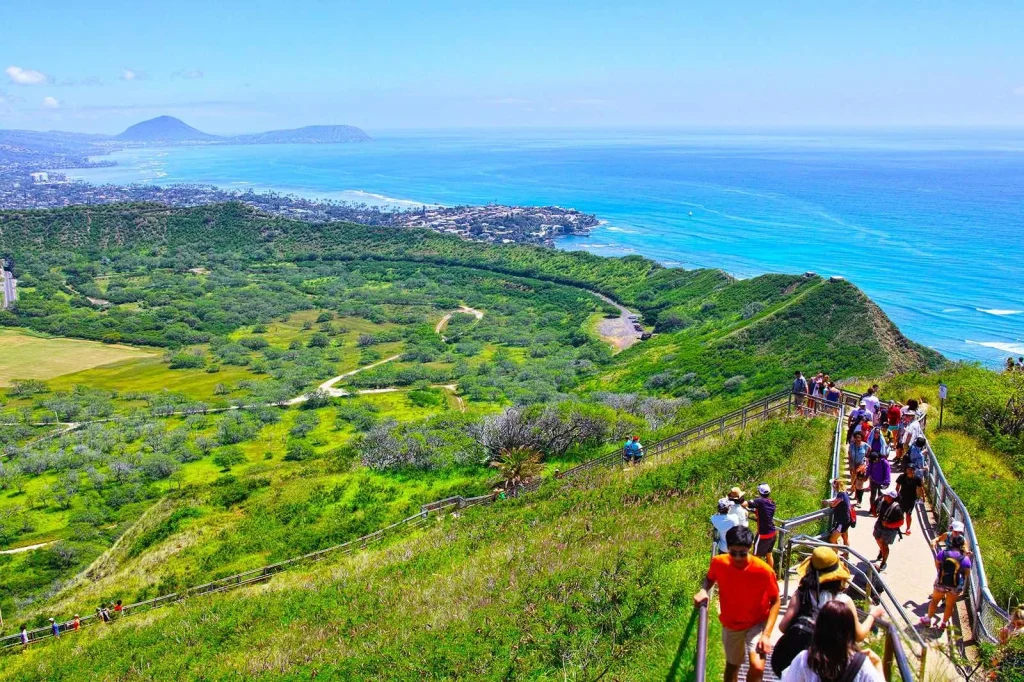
(926, 223)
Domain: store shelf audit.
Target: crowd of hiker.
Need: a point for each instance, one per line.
(1012, 366)
(104, 613)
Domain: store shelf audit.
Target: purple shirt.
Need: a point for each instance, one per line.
(879, 471)
(764, 509)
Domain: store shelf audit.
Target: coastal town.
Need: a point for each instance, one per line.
(490, 223)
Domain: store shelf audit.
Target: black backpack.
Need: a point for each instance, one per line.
(797, 636)
(949, 570)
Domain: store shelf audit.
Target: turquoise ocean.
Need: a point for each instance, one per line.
(929, 224)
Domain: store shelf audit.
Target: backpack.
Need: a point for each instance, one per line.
(949, 570)
(797, 636)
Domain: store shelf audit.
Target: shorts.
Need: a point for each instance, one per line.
(840, 528)
(946, 589)
(764, 546)
(893, 429)
(739, 644)
(886, 535)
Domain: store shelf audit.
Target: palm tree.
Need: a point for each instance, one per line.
(517, 465)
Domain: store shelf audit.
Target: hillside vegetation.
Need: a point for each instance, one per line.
(587, 578)
(218, 452)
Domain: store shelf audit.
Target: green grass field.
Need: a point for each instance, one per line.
(30, 356)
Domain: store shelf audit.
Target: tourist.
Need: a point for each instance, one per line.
(55, 627)
(763, 507)
(954, 568)
(895, 415)
(833, 655)
(871, 403)
(887, 527)
(632, 451)
(738, 508)
(843, 517)
(879, 477)
(76, 623)
(911, 432)
(876, 440)
(1011, 366)
(833, 395)
(955, 530)
(24, 635)
(722, 522)
(915, 455)
(817, 389)
(909, 487)
(1020, 364)
(748, 596)
(857, 418)
(823, 578)
(1014, 628)
(102, 613)
(857, 454)
(118, 609)
(799, 391)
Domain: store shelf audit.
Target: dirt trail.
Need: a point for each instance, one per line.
(26, 548)
(618, 331)
(443, 322)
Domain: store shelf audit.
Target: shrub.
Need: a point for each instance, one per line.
(228, 457)
(752, 309)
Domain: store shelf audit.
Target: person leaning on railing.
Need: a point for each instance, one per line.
(749, 604)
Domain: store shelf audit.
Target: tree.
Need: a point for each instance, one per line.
(317, 399)
(319, 340)
(517, 466)
(228, 457)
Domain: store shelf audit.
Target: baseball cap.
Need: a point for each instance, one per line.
(763, 489)
(890, 491)
(956, 527)
(724, 504)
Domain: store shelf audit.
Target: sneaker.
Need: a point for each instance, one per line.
(881, 567)
(925, 621)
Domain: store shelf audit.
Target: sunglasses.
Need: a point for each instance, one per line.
(739, 554)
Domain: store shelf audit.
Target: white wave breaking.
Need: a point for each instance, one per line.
(999, 311)
(1016, 348)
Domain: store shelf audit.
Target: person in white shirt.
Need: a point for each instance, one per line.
(738, 510)
(722, 522)
(872, 403)
(833, 655)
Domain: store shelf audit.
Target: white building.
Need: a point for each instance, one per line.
(40, 177)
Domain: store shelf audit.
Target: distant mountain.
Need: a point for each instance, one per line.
(164, 129)
(307, 135)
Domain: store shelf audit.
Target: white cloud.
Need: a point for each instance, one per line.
(51, 103)
(20, 76)
(134, 75)
(1019, 91)
(188, 74)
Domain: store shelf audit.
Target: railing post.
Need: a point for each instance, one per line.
(887, 656)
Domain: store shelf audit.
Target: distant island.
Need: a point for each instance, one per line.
(170, 130)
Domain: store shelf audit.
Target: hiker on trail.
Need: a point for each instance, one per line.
(910, 487)
(748, 604)
(887, 527)
(823, 578)
(738, 510)
(833, 655)
(722, 523)
(857, 418)
(1014, 628)
(118, 609)
(911, 433)
(956, 530)
(857, 454)
(832, 396)
(895, 415)
(23, 635)
(55, 627)
(1011, 366)
(102, 613)
(763, 507)
(843, 516)
(876, 441)
(915, 455)
(871, 403)
(954, 568)
(879, 476)
(76, 623)
(632, 451)
(799, 391)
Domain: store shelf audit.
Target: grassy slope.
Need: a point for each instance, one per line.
(581, 578)
(28, 356)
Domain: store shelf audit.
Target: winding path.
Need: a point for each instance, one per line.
(329, 385)
(618, 331)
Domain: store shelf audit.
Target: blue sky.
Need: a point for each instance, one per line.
(227, 66)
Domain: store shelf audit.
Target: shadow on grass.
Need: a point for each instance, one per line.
(677, 662)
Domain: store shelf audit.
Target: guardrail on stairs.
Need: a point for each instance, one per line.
(759, 410)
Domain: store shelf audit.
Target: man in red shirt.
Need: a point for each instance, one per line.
(748, 595)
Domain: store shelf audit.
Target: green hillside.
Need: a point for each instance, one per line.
(580, 580)
(214, 451)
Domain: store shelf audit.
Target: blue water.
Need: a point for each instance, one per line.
(930, 225)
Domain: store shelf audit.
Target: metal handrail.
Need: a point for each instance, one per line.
(701, 661)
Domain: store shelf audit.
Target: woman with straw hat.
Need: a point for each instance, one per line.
(823, 578)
